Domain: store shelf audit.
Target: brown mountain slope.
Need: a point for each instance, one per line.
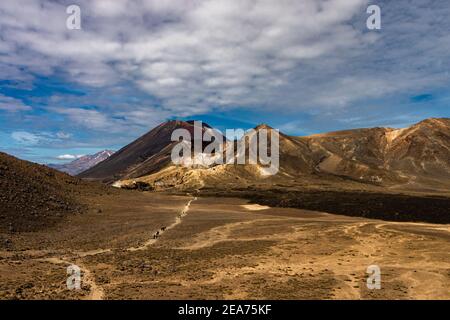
(420, 153)
(417, 157)
(421, 150)
(33, 196)
(295, 157)
(295, 162)
(357, 154)
(146, 155)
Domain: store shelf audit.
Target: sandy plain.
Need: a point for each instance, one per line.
(159, 246)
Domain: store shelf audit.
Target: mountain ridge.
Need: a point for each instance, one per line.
(82, 163)
(409, 156)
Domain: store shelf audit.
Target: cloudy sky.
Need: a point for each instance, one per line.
(301, 66)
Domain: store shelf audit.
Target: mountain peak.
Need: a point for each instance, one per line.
(181, 123)
(263, 126)
(204, 124)
(432, 121)
(83, 163)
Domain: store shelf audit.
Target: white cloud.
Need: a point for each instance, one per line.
(26, 138)
(40, 138)
(68, 157)
(88, 118)
(195, 55)
(12, 105)
(119, 120)
(63, 135)
(192, 54)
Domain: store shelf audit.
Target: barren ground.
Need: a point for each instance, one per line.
(223, 248)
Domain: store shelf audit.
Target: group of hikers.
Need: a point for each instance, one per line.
(158, 233)
(179, 216)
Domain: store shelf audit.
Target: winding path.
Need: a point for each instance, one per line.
(96, 291)
(156, 235)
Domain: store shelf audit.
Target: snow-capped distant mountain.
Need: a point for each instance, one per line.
(83, 163)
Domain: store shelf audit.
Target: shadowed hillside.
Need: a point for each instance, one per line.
(33, 196)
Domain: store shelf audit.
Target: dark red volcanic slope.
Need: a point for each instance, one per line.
(411, 157)
(138, 158)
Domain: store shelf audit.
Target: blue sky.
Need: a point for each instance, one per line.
(301, 66)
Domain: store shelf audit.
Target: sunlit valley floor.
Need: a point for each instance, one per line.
(223, 248)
